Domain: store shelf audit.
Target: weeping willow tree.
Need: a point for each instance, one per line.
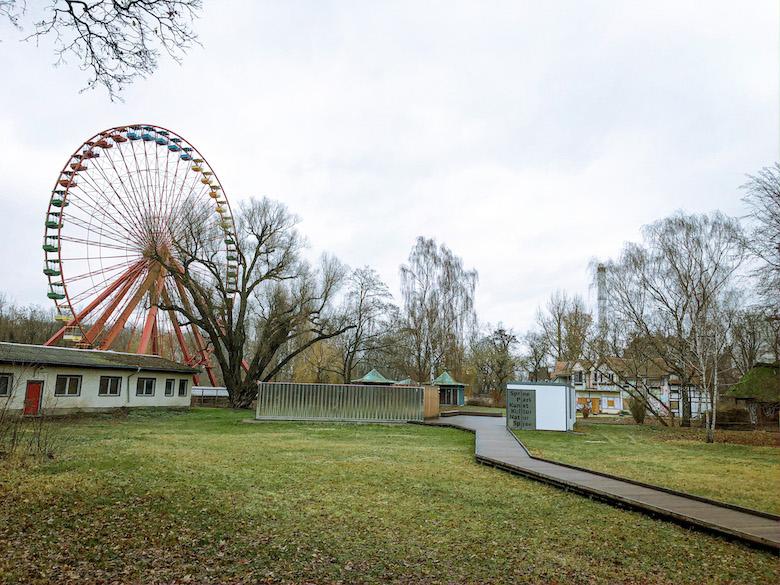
(438, 309)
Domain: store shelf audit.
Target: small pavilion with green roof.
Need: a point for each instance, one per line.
(373, 378)
(450, 392)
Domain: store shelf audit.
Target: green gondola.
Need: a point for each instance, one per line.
(52, 224)
(50, 248)
(51, 272)
(56, 296)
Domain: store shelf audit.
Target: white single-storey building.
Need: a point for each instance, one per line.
(58, 380)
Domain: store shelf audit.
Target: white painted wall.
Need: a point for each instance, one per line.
(88, 399)
(551, 405)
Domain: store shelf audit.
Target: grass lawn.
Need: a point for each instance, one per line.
(677, 458)
(202, 498)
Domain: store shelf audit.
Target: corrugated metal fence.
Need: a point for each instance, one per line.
(338, 402)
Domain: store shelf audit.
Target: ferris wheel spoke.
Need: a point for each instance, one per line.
(92, 242)
(136, 197)
(100, 197)
(109, 233)
(94, 209)
(126, 211)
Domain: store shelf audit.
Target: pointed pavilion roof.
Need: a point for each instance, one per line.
(373, 377)
(445, 379)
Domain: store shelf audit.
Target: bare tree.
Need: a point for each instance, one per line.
(664, 289)
(494, 358)
(280, 307)
(115, 42)
(367, 306)
(566, 324)
(25, 324)
(535, 354)
(763, 238)
(438, 308)
(751, 336)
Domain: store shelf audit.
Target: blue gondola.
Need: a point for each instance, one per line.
(147, 137)
(133, 135)
(186, 156)
(173, 148)
(161, 141)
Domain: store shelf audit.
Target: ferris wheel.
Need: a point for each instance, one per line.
(124, 197)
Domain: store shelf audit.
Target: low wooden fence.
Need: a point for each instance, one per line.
(431, 402)
(339, 402)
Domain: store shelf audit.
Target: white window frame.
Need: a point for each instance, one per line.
(108, 392)
(9, 383)
(144, 392)
(183, 387)
(170, 382)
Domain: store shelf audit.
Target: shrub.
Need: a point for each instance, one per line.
(637, 410)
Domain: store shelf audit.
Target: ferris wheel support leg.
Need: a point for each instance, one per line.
(98, 325)
(199, 343)
(91, 307)
(151, 317)
(179, 335)
(116, 329)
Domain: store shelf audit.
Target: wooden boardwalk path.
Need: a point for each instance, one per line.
(497, 447)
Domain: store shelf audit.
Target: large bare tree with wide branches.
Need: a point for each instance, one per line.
(281, 305)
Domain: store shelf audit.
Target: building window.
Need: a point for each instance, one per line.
(674, 405)
(610, 403)
(170, 384)
(182, 387)
(6, 382)
(578, 377)
(109, 386)
(145, 387)
(67, 386)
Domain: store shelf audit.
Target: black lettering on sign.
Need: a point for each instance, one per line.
(521, 408)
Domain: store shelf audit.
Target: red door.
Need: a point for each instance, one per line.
(32, 397)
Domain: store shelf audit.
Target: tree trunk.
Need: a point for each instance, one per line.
(685, 400)
(714, 407)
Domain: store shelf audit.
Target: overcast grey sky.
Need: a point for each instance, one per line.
(528, 136)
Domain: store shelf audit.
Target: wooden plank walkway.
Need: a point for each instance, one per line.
(497, 447)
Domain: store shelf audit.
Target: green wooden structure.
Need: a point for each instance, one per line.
(451, 393)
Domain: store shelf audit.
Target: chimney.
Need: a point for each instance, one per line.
(601, 284)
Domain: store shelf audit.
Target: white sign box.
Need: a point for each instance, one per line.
(542, 406)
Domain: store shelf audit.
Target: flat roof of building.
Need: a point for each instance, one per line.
(529, 383)
(25, 354)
